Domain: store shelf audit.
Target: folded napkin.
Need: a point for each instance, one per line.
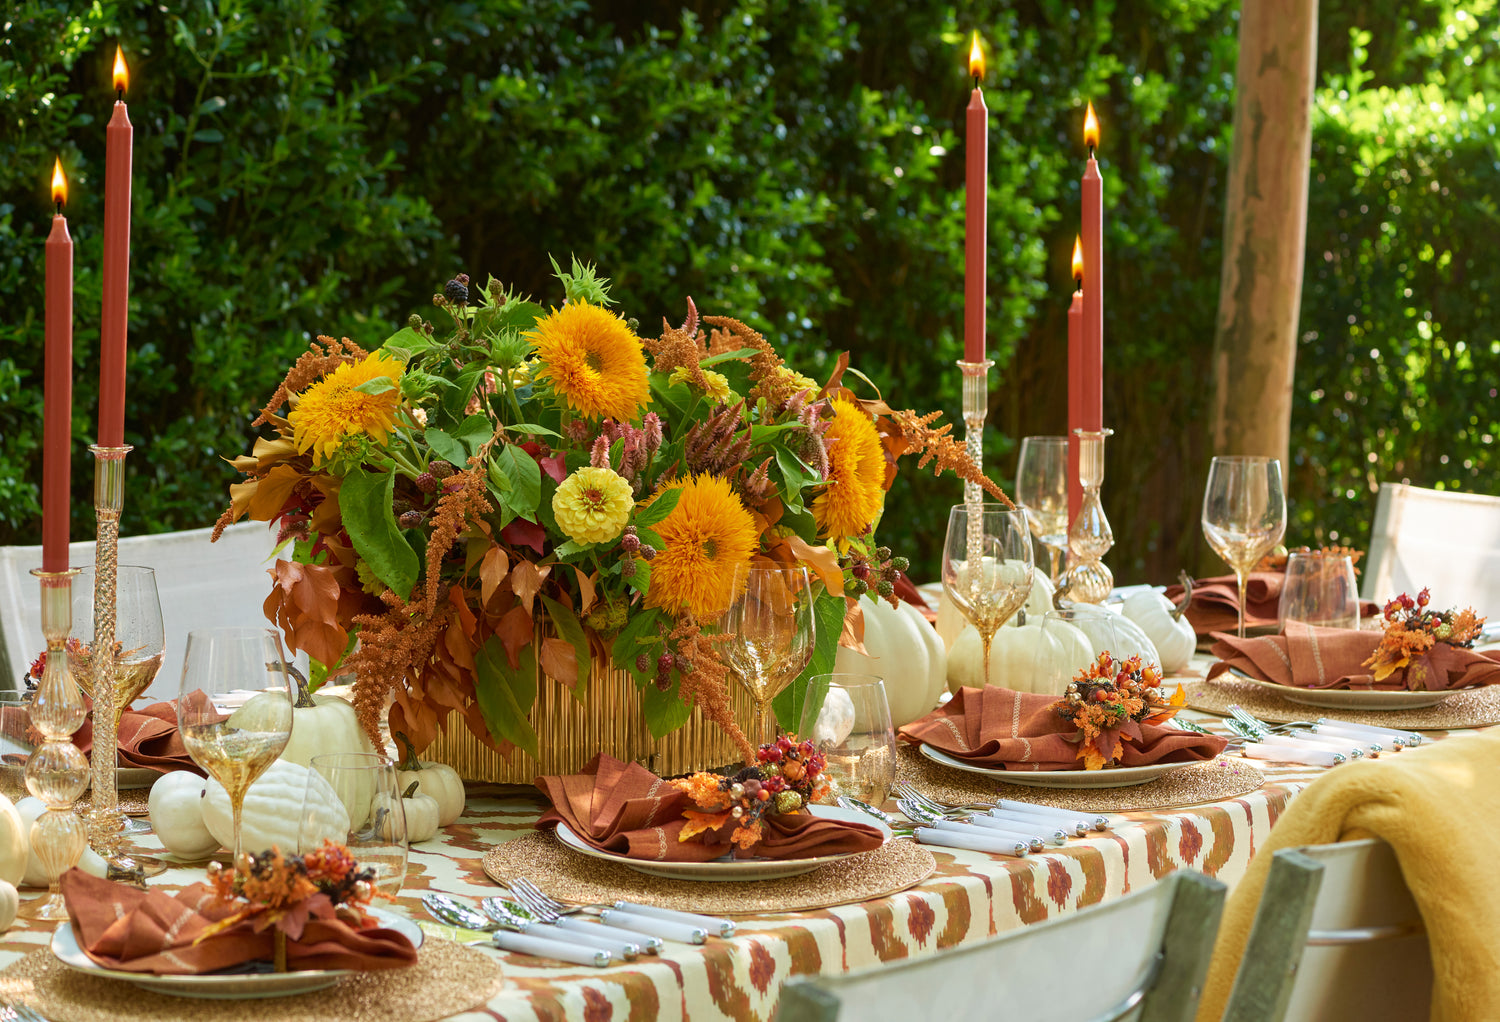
(149, 737)
(626, 809)
(1308, 657)
(153, 932)
(1002, 729)
(1216, 602)
(1427, 803)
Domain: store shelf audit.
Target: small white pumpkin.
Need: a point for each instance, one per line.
(274, 811)
(904, 651)
(10, 902)
(1166, 624)
(1106, 629)
(1027, 658)
(14, 842)
(438, 781)
(951, 620)
(421, 813)
(176, 805)
(320, 724)
(91, 862)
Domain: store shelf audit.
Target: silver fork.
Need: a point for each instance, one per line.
(932, 805)
(534, 898)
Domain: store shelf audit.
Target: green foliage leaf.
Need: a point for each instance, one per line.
(524, 476)
(505, 693)
(570, 628)
(665, 712)
(828, 624)
(641, 580)
(406, 344)
(376, 386)
(658, 508)
(726, 356)
(473, 432)
(365, 504)
(445, 447)
(638, 635)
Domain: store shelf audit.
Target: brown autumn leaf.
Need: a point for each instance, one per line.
(823, 560)
(515, 630)
(560, 661)
(492, 571)
(526, 580)
(271, 492)
(304, 604)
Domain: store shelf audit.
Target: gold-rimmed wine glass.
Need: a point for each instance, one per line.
(224, 660)
(987, 566)
(769, 634)
(1042, 489)
(1244, 514)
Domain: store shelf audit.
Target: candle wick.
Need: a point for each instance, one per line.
(59, 207)
(976, 81)
(119, 95)
(1091, 152)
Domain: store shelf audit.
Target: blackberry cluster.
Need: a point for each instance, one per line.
(878, 574)
(457, 290)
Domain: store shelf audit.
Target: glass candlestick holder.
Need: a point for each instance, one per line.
(1090, 537)
(57, 772)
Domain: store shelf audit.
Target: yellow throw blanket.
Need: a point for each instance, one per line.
(1438, 807)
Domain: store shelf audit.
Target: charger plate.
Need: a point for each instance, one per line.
(727, 868)
(1352, 698)
(220, 986)
(1466, 707)
(1109, 777)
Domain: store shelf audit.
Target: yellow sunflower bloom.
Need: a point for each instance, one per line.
(718, 383)
(855, 493)
(593, 505)
(332, 409)
(707, 536)
(592, 361)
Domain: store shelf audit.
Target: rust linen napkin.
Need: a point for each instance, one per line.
(1003, 729)
(1216, 602)
(1309, 657)
(626, 809)
(149, 738)
(152, 931)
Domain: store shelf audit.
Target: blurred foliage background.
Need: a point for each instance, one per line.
(304, 167)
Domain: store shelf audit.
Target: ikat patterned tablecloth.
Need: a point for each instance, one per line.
(971, 896)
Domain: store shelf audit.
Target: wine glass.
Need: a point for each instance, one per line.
(770, 633)
(234, 750)
(1244, 514)
(987, 566)
(1042, 489)
(852, 728)
(1320, 590)
(140, 642)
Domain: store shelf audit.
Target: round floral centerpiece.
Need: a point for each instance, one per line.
(530, 490)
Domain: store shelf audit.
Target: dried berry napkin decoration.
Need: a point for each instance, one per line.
(1109, 701)
(1411, 629)
(284, 890)
(789, 775)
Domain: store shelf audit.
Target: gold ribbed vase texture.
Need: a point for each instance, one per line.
(610, 720)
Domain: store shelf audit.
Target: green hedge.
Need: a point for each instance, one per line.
(304, 168)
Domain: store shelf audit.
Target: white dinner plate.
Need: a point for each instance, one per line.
(1352, 698)
(729, 868)
(222, 987)
(1109, 777)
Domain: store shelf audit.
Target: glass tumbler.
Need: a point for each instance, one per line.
(851, 727)
(365, 787)
(1319, 589)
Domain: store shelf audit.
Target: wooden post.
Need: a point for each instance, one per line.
(1265, 229)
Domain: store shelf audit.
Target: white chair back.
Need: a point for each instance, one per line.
(1142, 955)
(1448, 542)
(201, 584)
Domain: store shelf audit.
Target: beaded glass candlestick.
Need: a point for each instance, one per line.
(1090, 538)
(976, 409)
(57, 772)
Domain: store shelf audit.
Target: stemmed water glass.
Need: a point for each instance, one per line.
(234, 752)
(1042, 489)
(987, 566)
(1244, 514)
(769, 629)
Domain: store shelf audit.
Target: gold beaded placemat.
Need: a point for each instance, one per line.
(1475, 707)
(446, 979)
(569, 876)
(1211, 781)
(132, 801)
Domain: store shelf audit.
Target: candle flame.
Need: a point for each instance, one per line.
(59, 183)
(976, 57)
(122, 77)
(1091, 129)
(1078, 259)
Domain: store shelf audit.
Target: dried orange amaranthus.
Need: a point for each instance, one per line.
(394, 647)
(707, 684)
(937, 445)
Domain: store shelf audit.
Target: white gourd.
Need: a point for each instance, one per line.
(1116, 633)
(320, 724)
(951, 620)
(274, 811)
(421, 814)
(1166, 625)
(1027, 658)
(176, 805)
(903, 650)
(14, 842)
(10, 901)
(438, 781)
(91, 862)
(835, 719)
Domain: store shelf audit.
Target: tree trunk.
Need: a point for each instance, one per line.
(1265, 228)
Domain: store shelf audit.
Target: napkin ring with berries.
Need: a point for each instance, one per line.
(1108, 701)
(787, 777)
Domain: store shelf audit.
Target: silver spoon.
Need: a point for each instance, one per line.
(539, 939)
(511, 914)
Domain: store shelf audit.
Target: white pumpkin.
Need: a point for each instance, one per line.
(903, 650)
(10, 901)
(14, 842)
(438, 781)
(1028, 658)
(176, 805)
(1166, 625)
(420, 811)
(1114, 632)
(274, 811)
(320, 724)
(91, 862)
(951, 620)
